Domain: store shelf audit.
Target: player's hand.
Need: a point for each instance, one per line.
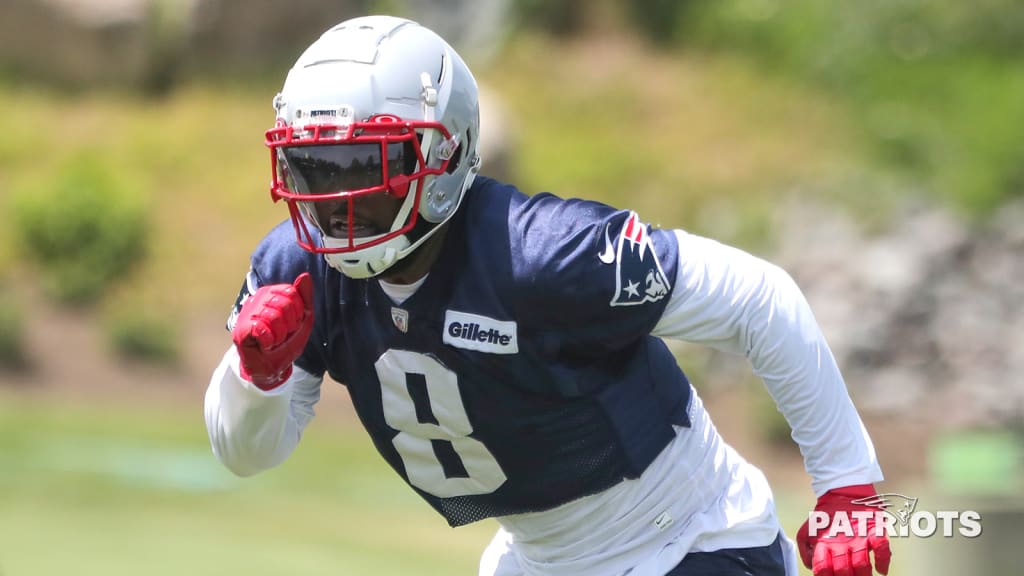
(842, 554)
(272, 329)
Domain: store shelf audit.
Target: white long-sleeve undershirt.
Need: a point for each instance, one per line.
(735, 302)
(250, 429)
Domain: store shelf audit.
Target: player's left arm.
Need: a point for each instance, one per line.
(736, 302)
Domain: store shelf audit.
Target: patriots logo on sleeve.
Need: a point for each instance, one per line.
(249, 288)
(639, 277)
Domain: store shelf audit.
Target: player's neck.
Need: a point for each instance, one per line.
(416, 265)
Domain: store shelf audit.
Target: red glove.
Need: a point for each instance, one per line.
(272, 329)
(842, 554)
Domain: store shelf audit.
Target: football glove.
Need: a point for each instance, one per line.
(842, 554)
(272, 329)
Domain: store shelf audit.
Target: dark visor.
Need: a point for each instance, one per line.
(342, 167)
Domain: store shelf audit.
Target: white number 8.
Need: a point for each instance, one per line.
(413, 441)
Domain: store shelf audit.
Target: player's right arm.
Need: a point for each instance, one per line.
(252, 430)
(258, 401)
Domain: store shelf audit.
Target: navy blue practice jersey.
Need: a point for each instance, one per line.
(521, 375)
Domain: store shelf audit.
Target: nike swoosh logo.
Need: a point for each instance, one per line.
(608, 256)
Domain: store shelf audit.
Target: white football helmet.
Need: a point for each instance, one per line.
(376, 106)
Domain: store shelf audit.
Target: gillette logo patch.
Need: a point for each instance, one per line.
(480, 333)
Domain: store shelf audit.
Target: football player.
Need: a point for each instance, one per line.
(505, 351)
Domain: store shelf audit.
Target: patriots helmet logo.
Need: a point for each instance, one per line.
(898, 506)
(639, 277)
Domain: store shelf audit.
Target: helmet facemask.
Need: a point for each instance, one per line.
(338, 180)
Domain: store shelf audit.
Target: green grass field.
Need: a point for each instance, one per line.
(91, 490)
(112, 491)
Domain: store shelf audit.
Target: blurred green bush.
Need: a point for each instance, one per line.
(145, 337)
(937, 86)
(558, 17)
(83, 228)
(659, 20)
(13, 352)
